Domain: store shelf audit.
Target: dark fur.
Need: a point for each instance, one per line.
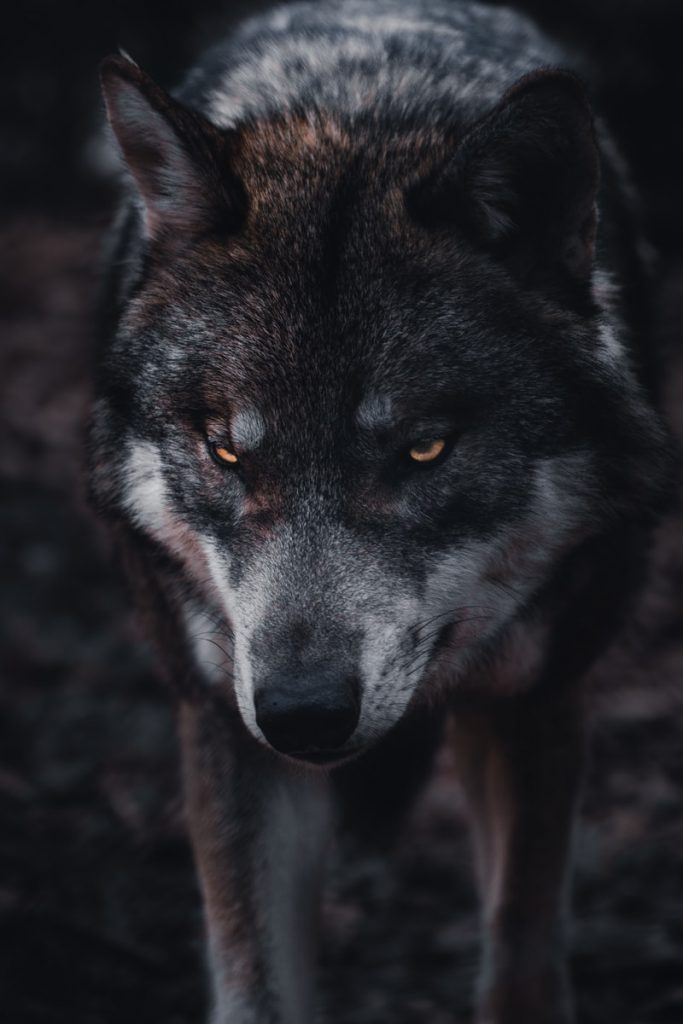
(419, 214)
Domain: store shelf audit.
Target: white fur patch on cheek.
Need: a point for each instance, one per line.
(562, 498)
(243, 615)
(145, 492)
(147, 500)
(387, 687)
(210, 644)
(483, 586)
(462, 589)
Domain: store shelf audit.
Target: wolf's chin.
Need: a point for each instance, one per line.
(321, 760)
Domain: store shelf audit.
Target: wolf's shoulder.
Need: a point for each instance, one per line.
(422, 60)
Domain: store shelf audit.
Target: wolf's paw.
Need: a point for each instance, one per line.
(543, 999)
(521, 1015)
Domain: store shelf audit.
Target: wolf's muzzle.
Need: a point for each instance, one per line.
(308, 715)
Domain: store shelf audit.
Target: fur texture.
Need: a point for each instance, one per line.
(357, 229)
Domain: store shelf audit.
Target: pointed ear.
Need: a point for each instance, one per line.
(179, 161)
(523, 181)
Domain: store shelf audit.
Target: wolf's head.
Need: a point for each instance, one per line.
(362, 391)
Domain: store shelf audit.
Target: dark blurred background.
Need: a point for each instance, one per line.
(99, 913)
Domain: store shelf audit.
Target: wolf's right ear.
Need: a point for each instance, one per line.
(179, 161)
(522, 182)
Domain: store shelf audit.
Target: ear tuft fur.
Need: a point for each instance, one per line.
(179, 161)
(522, 183)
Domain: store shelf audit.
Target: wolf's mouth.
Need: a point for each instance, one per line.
(316, 756)
(324, 758)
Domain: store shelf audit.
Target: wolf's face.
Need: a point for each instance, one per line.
(360, 393)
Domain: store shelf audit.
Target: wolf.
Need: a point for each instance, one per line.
(376, 427)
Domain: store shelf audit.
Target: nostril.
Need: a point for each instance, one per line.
(305, 715)
(334, 728)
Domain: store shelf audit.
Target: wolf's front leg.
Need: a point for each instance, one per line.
(521, 764)
(259, 831)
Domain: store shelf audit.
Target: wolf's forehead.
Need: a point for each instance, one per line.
(255, 421)
(310, 154)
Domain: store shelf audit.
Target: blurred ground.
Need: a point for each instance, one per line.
(99, 914)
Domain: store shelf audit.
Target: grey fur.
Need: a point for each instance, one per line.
(357, 228)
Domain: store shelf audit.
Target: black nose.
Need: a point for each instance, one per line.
(309, 714)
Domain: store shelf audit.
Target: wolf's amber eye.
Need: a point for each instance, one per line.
(428, 451)
(222, 454)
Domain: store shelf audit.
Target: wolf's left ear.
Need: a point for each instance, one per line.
(179, 161)
(523, 181)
